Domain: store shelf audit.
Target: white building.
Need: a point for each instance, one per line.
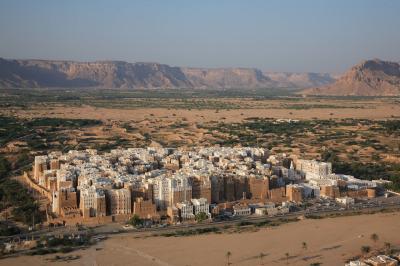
(168, 191)
(382, 260)
(323, 182)
(185, 210)
(161, 192)
(283, 210)
(263, 209)
(260, 211)
(345, 200)
(312, 169)
(201, 205)
(272, 211)
(356, 263)
(355, 183)
(241, 210)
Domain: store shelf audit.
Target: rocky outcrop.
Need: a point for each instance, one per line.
(369, 78)
(228, 78)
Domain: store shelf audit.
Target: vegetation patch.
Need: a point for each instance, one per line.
(191, 232)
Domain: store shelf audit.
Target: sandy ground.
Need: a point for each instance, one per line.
(378, 111)
(330, 241)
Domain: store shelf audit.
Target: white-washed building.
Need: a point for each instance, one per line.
(201, 205)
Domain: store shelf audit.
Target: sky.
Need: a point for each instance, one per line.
(273, 35)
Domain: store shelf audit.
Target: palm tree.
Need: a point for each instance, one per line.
(375, 238)
(304, 245)
(228, 255)
(365, 250)
(388, 247)
(261, 256)
(287, 258)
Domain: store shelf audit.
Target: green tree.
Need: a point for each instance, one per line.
(201, 216)
(147, 136)
(329, 156)
(228, 256)
(374, 237)
(304, 246)
(136, 221)
(7, 230)
(27, 213)
(22, 160)
(287, 258)
(4, 167)
(365, 250)
(25, 209)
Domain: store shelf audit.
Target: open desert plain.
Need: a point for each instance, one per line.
(330, 241)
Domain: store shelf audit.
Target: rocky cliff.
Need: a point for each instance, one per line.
(369, 78)
(118, 74)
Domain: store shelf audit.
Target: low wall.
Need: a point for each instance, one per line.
(43, 191)
(90, 220)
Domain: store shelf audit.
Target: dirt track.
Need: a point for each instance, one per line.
(330, 241)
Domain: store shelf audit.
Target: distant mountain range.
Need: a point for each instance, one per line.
(368, 78)
(119, 74)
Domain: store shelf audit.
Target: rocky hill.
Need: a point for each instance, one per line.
(369, 78)
(118, 74)
(228, 78)
(300, 80)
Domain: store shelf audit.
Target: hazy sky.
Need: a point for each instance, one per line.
(276, 35)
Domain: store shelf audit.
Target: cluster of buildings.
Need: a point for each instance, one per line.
(379, 260)
(179, 184)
